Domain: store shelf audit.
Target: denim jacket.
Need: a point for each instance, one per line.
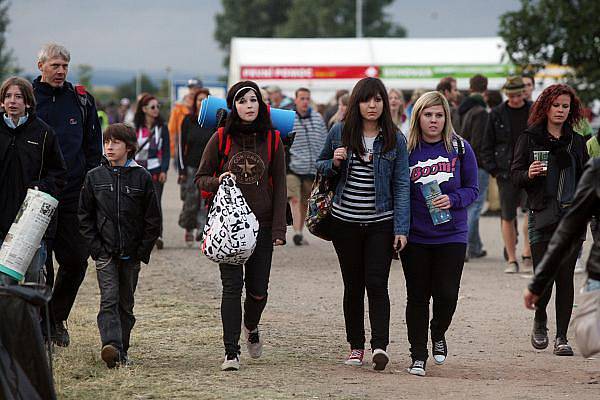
(392, 183)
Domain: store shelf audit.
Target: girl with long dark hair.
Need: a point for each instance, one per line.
(153, 145)
(443, 174)
(256, 160)
(548, 161)
(192, 143)
(367, 154)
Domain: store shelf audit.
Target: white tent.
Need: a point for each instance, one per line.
(325, 65)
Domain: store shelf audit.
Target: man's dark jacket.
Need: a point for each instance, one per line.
(473, 117)
(30, 155)
(80, 140)
(497, 145)
(118, 212)
(585, 204)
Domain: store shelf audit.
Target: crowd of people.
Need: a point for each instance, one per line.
(411, 179)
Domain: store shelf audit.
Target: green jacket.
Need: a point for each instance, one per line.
(593, 147)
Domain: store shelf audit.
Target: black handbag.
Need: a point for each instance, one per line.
(320, 203)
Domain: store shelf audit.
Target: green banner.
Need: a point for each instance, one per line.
(440, 71)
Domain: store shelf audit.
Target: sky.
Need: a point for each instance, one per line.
(151, 35)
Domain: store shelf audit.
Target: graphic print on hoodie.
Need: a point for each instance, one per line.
(457, 177)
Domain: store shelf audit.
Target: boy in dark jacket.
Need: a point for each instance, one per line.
(120, 220)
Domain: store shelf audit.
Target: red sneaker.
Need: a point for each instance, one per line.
(355, 358)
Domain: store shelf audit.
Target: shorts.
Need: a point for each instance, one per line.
(511, 198)
(299, 187)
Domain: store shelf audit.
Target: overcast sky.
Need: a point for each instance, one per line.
(154, 34)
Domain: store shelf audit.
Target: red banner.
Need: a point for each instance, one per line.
(308, 72)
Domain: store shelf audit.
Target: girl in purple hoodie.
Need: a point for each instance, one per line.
(443, 175)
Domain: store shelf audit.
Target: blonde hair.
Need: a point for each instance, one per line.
(397, 116)
(427, 100)
(53, 50)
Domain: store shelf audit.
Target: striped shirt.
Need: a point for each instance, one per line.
(311, 133)
(358, 197)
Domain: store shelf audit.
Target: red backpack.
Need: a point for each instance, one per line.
(225, 147)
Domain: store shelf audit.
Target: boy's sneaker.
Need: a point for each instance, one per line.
(189, 238)
(253, 342)
(439, 351)
(356, 357)
(231, 363)
(60, 337)
(562, 347)
(417, 368)
(110, 355)
(380, 359)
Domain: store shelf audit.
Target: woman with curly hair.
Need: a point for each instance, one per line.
(548, 162)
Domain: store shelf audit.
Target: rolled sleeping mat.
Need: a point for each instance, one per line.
(282, 120)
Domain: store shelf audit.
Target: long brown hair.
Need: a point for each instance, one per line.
(539, 110)
(139, 118)
(352, 132)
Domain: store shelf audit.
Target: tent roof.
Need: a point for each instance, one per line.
(368, 51)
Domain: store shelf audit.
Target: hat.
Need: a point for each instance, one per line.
(513, 85)
(273, 89)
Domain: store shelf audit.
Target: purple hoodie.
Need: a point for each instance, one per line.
(457, 178)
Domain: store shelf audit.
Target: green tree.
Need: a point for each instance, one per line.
(301, 18)
(84, 75)
(564, 32)
(337, 18)
(7, 60)
(250, 18)
(127, 89)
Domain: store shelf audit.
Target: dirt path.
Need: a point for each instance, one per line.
(177, 341)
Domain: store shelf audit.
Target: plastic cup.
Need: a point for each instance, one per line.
(542, 156)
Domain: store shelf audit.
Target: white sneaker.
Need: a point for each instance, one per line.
(579, 266)
(231, 363)
(253, 342)
(380, 359)
(417, 368)
(439, 351)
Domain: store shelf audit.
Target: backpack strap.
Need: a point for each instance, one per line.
(273, 145)
(459, 146)
(224, 148)
(82, 101)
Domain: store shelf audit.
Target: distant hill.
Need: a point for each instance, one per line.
(114, 77)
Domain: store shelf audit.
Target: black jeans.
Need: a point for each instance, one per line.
(117, 280)
(71, 252)
(258, 269)
(365, 255)
(430, 270)
(564, 288)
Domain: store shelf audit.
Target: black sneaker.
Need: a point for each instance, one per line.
(298, 239)
(539, 335)
(439, 351)
(159, 243)
(110, 355)
(417, 368)
(60, 337)
(562, 347)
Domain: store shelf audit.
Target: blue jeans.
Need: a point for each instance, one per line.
(35, 271)
(474, 211)
(591, 285)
